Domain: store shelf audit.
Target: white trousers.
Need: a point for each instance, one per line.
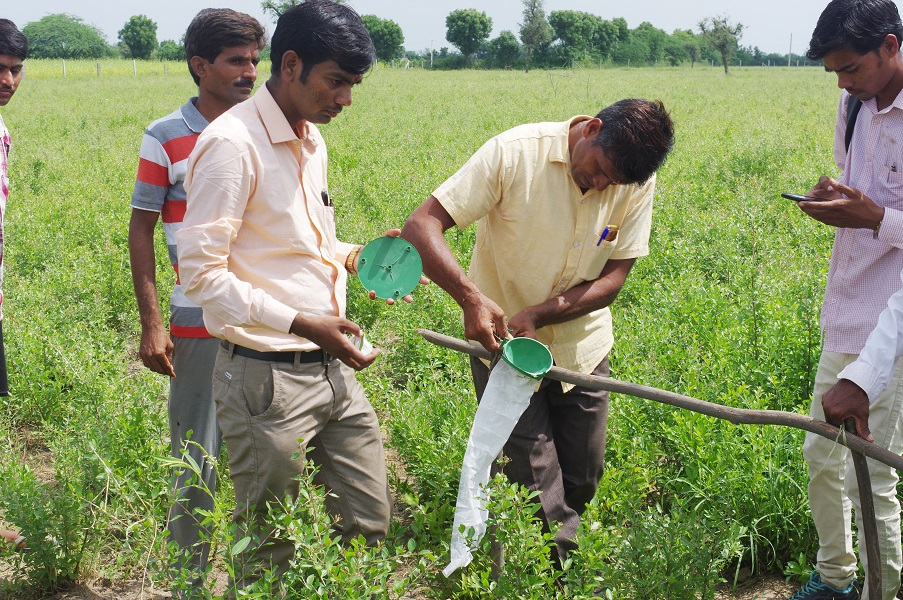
(833, 490)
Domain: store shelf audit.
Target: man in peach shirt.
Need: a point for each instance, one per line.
(258, 251)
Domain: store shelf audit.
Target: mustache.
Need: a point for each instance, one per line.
(244, 83)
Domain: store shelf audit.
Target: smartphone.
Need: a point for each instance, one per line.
(798, 198)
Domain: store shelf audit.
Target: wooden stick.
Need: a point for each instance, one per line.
(737, 416)
(869, 523)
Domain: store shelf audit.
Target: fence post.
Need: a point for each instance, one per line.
(134, 67)
(98, 69)
(164, 68)
(64, 67)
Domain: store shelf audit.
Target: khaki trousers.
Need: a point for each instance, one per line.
(269, 411)
(833, 490)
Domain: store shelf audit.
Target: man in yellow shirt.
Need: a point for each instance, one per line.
(563, 211)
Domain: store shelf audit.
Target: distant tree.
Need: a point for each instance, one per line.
(623, 30)
(635, 51)
(722, 35)
(682, 45)
(386, 35)
(171, 50)
(606, 38)
(275, 8)
(64, 36)
(576, 30)
(140, 35)
(656, 39)
(535, 32)
(504, 49)
(467, 29)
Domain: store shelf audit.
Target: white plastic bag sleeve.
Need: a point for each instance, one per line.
(504, 400)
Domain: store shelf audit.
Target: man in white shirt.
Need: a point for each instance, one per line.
(859, 41)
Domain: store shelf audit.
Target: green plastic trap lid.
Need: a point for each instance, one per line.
(389, 266)
(527, 356)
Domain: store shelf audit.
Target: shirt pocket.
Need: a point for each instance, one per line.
(890, 185)
(594, 259)
(889, 175)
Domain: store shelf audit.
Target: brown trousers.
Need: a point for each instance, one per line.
(558, 448)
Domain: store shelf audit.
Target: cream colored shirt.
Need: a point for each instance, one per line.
(538, 234)
(258, 242)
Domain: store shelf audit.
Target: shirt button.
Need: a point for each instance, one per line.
(583, 201)
(554, 345)
(576, 244)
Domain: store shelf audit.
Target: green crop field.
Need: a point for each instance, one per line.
(724, 309)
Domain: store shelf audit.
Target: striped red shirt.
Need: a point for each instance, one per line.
(159, 187)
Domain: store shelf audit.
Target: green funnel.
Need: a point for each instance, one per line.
(527, 356)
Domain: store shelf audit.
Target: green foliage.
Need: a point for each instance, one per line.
(386, 35)
(535, 31)
(139, 34)
(722, 35)
(504, 49)
(275, 8)
(171, 50)
(577, 31)
(64, 36)
(652, 37)
(467, 29)
(676, 553)
(683, 46)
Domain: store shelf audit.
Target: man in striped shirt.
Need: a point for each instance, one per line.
(859, 41)
(222, 48)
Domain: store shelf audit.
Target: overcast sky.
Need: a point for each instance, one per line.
(770, 24)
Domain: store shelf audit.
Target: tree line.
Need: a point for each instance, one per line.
(570, 38)
(561, 38)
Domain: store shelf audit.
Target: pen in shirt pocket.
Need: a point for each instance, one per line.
(327, 201)
(609, 234)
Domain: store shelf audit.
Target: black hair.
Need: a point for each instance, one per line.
(861, 25)
(636, 136)
(214, 29)
(321, 30)
(12, 41)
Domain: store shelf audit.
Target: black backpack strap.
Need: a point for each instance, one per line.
(853, 106)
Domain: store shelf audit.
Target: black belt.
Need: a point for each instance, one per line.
(313, 356)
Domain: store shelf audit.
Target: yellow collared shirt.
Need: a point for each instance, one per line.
(538, 233)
